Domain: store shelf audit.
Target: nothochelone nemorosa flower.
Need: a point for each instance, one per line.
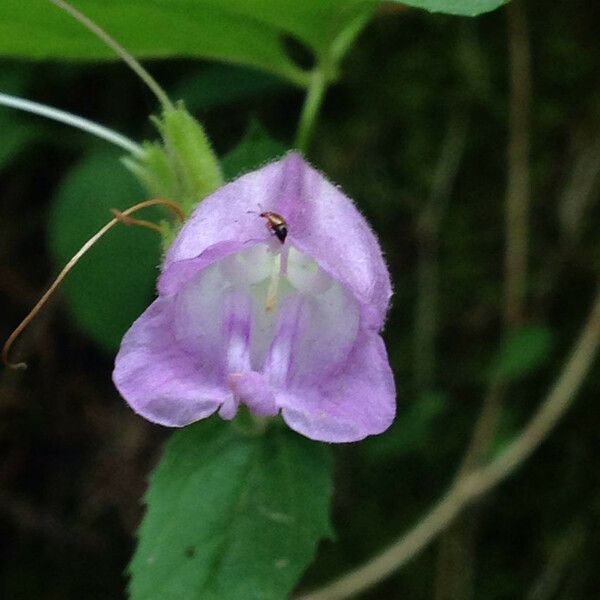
(286, 326)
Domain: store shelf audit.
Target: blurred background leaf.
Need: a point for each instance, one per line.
(522, 352)
(255, 149)
(412, 431)
(239, 31)
(16, 134)
(468, 8)
(221, 84)
(114, 282)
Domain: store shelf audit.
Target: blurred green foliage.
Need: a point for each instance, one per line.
(523, 351)
(255, 149)
(16, 135)
(220, 85)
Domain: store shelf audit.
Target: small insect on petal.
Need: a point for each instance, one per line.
(276, 223)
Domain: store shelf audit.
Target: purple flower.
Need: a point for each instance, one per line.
(288, 327)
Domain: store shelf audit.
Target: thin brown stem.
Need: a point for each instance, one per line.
(428, 230)
(74, 260)
(455, 566)
(470, 487)
(127, 220)
(581, 190)
(517, 192)
(562, 556)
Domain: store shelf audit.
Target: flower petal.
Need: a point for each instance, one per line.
(254, 391)
(158, 378)
(232, 213)
(243, 318)
(313, 338)
(357, 403)
(176, 274)
(323, 224)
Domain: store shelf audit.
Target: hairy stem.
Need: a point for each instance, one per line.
(73, 120)
(472, 486)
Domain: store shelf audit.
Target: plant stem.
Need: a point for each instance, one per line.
(325, 71)
(312, 104)
(480, 481)
(73, 120)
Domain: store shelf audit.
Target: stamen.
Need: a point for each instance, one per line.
(121, 217)
(274, 284)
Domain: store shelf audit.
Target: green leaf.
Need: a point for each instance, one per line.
(255, 149)
(231, 516)
(114, 282)
(467, 8)
(241, 31)
(523, 351)
(217, 85)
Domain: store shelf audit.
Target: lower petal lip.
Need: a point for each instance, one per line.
(331, 379)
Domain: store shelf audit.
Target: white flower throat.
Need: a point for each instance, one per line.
(268, 310)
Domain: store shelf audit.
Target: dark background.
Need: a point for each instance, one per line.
(75, 458)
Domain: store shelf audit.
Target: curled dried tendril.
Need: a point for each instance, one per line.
(120, 217)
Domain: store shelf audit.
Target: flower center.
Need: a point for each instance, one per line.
(269, 310)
